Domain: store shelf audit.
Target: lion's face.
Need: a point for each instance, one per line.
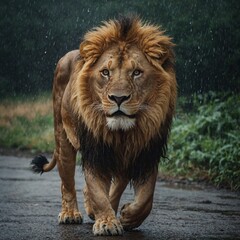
(124, 82)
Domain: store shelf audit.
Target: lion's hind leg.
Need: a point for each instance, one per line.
(88, 204)
(118, 185)
(66, 167)
(70, 213)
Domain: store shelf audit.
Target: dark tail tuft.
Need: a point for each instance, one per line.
(37, 164)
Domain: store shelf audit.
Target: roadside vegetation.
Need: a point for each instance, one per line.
(204, 142)
(26, 123)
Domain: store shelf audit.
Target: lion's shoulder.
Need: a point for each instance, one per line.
(65, 66)
(63, 73)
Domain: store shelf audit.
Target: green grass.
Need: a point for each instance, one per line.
(204, 142)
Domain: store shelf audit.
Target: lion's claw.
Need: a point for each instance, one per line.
(107, 227)
(69, 218)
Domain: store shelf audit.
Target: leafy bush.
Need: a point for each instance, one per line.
(206, 142)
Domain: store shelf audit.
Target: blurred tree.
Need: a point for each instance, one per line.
(35, 34)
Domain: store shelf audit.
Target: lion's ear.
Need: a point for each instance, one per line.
(82, 48)
(164, 49)
(160, 55)
(158, 48)
(167, 56)
(89, 51)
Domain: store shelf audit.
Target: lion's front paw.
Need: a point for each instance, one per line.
(132, 215)
(70, 218)
(107, 226)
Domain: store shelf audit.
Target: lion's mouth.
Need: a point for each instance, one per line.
(119, 113)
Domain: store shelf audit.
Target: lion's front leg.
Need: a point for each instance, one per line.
(106, 222)
(118, 185)
(133, 214)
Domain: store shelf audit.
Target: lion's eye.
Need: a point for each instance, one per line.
(137, 73)
(105, 72)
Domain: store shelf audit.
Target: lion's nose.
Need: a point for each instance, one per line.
(119, 99)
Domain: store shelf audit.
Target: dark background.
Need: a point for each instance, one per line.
(35, 34)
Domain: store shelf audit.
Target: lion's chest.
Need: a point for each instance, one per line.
(118, 159)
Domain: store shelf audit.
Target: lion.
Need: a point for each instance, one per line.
(113, 100)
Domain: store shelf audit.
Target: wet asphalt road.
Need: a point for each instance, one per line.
(29, 206)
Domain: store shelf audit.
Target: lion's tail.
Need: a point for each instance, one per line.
(40, 164)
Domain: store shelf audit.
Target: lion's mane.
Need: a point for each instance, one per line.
(137, 151)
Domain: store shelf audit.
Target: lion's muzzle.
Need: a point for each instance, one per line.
(118, 116)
